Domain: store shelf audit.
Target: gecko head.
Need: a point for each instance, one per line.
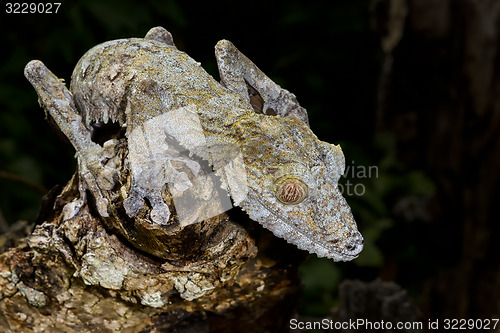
(293, 189)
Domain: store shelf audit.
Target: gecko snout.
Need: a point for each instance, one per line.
(356, 244)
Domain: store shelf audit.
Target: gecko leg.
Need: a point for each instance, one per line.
(57, 101)
(240, 75)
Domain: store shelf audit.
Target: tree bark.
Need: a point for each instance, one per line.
(441, 98)
(72, 275)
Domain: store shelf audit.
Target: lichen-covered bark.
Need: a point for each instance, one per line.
(72, 275)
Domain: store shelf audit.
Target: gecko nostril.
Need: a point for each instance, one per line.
(350, 247)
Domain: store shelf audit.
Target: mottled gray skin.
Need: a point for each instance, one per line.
(268, 160)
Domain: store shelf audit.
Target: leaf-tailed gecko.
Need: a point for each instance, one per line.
(253, 133)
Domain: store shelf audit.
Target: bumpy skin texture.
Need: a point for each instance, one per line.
(176, 117)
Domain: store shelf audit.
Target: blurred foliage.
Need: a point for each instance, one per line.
(323, 52)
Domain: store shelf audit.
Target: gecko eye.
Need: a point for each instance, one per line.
(290, 191)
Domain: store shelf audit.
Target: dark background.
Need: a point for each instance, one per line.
(408, 88)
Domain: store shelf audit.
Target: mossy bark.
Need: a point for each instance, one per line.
(71, 274)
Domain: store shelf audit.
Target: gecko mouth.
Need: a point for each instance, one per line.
(341, 250)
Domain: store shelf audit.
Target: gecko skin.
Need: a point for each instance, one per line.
(252, 132)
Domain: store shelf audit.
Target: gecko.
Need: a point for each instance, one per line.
(252, 133)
